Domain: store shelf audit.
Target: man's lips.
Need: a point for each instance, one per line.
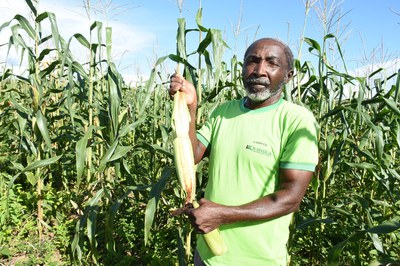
(258, 82)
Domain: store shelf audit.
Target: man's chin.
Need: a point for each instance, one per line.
(257, 97)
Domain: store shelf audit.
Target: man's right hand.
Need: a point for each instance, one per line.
(178, 83)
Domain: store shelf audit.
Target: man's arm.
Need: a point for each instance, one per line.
(293, 185)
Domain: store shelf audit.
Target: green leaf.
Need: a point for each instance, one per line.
(79, 68)
(42, 125)
(99, 26)
(379, 143)
(398, 134)
(361, 165)
(120, 152)
(109, 43)
(32, 178)
(314, 45)
(149, 218)
(4, 251)
(32, 7)
(130, 127)
(377, 242)
(91, 212)
(392, 105)
(80, 150)
(312, 221)
(199, 18)
(82, 40)
(205, 43)
(107, 156)
(177, 59)
(41, 163)
(23, 112)
(151, 206)
(385, 228)
(180, 39)
(25, 25)
(114, 85)
(75, 245)
(334, 254)
(155, 148)
(54, 31)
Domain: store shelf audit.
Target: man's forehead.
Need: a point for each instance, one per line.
(272, 48)
(266, 44)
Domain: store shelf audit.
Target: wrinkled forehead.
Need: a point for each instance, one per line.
(265, 46)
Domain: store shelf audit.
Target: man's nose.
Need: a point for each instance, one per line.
(261, 69)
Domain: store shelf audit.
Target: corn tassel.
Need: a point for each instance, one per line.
(185, 166)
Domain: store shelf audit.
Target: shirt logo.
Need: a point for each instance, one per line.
(260, 148)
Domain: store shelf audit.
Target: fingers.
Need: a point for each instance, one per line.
(192, 219)
(199, 224)
(177, 84)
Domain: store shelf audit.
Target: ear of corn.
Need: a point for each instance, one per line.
(183, 151)
(184, 163)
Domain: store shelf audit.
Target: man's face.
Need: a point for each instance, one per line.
(264, 70)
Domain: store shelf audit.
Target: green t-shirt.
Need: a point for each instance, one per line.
(248, 147)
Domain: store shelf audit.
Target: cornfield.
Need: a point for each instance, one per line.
(86, 161)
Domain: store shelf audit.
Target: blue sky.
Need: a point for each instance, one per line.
(146, 29)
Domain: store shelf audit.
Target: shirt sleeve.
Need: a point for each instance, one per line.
(204, 134)
(301, 149)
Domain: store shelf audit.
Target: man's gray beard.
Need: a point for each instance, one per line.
(265, 94)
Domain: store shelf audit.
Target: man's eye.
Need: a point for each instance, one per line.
(273, 64)
(251, 61)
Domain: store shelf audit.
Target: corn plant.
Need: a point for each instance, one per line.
(70, 132)
(356, 180)
(35, 114)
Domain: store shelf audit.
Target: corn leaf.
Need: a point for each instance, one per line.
(32, 7)
(199, 18)
(180, 39)
(107, 156)
(130, 127)
(151, 206)
(91, 214)
(392, 105)
(398, 134)
(81, 39)
(386, 227)
(120, 152)
(81, 152)
(379, 143)
(42, 125)
(23, 24)
(149, 214)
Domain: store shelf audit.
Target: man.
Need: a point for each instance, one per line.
(262, 154)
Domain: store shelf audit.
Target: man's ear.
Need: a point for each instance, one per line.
(289, 76)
